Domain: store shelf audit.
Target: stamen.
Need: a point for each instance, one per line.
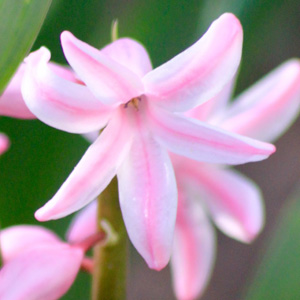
(133, 102)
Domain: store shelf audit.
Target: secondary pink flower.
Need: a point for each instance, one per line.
(142, 110)
(13, 105)
(38, 265)
(11, 101)
(233, 201)
(4, 143)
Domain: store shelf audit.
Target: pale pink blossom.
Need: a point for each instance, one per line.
(13, 105)
(142, 110)
(4, 143)
(38, 265)
(11, 101)
(230, 199)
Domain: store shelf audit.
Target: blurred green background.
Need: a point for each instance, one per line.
(40, 158)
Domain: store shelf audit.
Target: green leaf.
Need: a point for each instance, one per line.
(278, 274)
(20, 22)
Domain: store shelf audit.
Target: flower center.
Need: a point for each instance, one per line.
(134, 102)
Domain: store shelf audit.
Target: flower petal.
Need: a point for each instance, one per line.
(268, 108)
(59, 102)
(129, 53)
(84, 224)
(212, 110)
(94, 171)
(148, 199)
(11, 101)
(17, 239)
(4, 143)
(91, 136)
(193, 252)
(235, 202)
(200, 72)
(203, 142)
(109, 81)
(42, 273)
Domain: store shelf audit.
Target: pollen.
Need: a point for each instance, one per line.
(133, 103)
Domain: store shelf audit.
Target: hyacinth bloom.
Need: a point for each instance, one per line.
(11, 101)
(4, 143)
(40, 266)
(13, 105)
(142, 111)
(234, 202)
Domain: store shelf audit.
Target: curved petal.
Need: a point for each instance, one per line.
(148, 199)
(84, 224)
(4, 143)
(59, 102)
(94, 171)
(268, 108)
(202, 142)
(200, 72)
(129, 53)
(11, 101)
(42, 273)
(64, 72)
(235, 202)
(194, 250)
(109, 81)
(17, 239)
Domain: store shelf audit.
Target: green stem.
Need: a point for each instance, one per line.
(110, 260)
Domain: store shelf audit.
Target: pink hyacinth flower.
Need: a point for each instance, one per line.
(38, 265)
(233, 201)
(4, 143)
(13, 105)
(11, 101)
(142, 110)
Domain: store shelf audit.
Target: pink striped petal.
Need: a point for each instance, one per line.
(269, 107)
(4, 143)
(11, 101)
(235, 202)
(42, 273)
(200, 72)
(148, 199)
(130, 54)
(17, 239)
(94, 171)
(58, 102)
(193, 252)
(202, 142)
(84, 224)
(109, 81)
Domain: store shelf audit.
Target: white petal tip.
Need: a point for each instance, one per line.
(231, 18)
(158, 261)
(264, 153)
(272, 149)
(41, 215)
(157, 266)
(243, 233)
(65, 36)
(42, 54)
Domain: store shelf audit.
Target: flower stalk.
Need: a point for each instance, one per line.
(110, 259)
